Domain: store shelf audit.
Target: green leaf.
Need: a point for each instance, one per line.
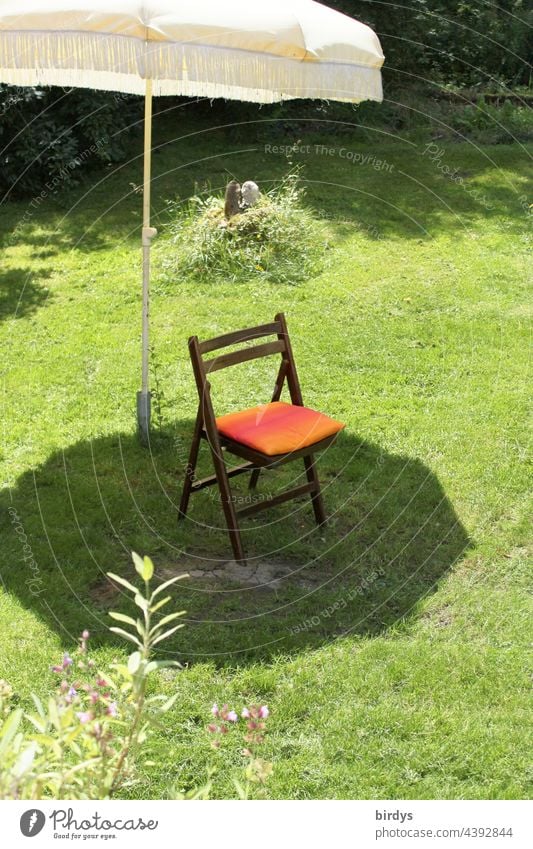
(143, 565)
(9, 729)
(120, 617)
(92, 762)
(160, 604)
(137, 562)
(168, 704)
(141, 602)
(122, 581)
(69, 739)
(107, 678)
(127, 636)
(164, 664)
(134, 661)
(37, 723)
(162, 587)
(148, 568)
(166, 619)
(241, 792)
(53, 713)
(167, 634)
(39, 705)
(25, 760)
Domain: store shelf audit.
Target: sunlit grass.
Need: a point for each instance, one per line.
(416, 335)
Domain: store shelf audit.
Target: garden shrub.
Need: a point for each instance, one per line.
(490, 124)
(85, 735)
(49, 137)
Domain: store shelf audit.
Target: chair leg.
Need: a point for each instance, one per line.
(316, 495)
(228, 507)
(191, 468)
(254, 477)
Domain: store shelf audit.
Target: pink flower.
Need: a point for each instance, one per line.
(245, 713)
(72, 693)
(94, 697)
(263, 712)
(84, 716)
(112, 709)
(58, 669)
(214, 710)
(67, 661)
(101, 682)
(212, 728)
(232, 716)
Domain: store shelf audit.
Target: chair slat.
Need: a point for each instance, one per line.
(244, 355)
(277, 499)
(239, 336)
(231, 473)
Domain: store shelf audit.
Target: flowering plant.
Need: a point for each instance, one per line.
(257, 770)
(84, 736)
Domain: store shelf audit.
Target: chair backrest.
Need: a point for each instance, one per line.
(204, 367)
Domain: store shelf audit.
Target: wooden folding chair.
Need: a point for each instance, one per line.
(264, 436)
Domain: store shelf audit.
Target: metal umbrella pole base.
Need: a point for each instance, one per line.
(144, 408)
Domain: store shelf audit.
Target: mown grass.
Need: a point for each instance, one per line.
(393, 658)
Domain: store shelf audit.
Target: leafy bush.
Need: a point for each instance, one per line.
(49, 137)
(85, 734)
(491, 124)
(459, 41)
(278, 240)
(452, 114)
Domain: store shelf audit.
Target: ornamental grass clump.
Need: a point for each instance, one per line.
(278, 240)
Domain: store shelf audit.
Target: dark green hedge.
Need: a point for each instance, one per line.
(50, 137)
(461, 42)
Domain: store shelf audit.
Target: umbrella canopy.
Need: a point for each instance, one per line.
(215, 48)
(236, 49)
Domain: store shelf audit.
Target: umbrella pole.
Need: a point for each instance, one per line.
(144, 396)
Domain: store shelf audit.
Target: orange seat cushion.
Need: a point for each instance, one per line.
(277, 428)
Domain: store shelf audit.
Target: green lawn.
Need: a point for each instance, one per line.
(392, 658)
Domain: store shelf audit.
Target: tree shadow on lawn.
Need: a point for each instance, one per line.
(20, 294)
(392, 536)
(387, 191)
(56, 231)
